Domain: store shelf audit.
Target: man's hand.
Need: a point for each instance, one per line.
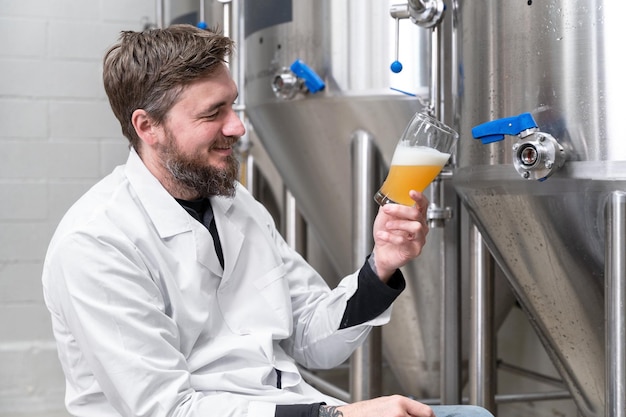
(399, 234)
(392, 406)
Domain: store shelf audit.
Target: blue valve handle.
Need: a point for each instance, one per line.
(495, 130)
(312, 81)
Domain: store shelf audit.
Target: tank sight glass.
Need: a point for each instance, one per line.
(536, 155)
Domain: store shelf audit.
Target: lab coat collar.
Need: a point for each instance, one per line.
(162, 209)
(170, 218)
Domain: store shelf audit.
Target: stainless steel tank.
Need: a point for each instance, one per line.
(561, 62)
(350, 45)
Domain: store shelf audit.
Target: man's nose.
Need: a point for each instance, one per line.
(234, 125)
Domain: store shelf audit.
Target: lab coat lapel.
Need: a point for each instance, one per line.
(230, 234)
(167, 216)
(205, 251)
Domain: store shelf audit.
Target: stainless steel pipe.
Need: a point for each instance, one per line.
(160, 13)
(615, 307)
(366, 361)
(482, 359)
(324, 386)
(450, 383)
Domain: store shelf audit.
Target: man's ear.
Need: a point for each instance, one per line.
(145, 127)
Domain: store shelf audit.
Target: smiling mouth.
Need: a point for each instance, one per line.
(222, 147)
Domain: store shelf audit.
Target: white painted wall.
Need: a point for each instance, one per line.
(58, 136)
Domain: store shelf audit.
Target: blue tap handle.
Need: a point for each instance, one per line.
(495, 130)
(312, 81)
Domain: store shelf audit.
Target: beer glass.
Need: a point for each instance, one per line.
(421, 153)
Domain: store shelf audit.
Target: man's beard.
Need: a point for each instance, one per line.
(193, 174)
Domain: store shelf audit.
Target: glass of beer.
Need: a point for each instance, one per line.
(420, 155)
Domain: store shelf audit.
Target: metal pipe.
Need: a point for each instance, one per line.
(615, 305)
(160, 14)
(238, 35)
(289, 216)
(417, 5)
(438, 214)
(201, 12)
(366, 361)
(450, 381)
(530, 374)
(324, 386)
(227, 17)
(399, 11)
(481, 369)
(435, 76)
(234, 13)
(426, 13)
(533, 396)
(294, 226)
(513, 398)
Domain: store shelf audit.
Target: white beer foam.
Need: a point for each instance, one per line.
(419, 155)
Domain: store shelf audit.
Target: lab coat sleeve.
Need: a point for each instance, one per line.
(115, 313)
(317, 340)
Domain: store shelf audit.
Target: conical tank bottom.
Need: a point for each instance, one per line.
(548, 237)
(309, 142)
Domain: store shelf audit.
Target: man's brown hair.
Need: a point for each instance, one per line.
(148, 70)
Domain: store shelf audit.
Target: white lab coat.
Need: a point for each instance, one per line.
(148, 324)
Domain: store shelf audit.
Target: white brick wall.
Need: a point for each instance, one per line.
(57, 137)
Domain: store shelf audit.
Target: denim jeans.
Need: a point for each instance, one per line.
(460, 411)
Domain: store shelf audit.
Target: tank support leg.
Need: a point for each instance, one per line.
(366, 361)
(482, 352)
(615, 305)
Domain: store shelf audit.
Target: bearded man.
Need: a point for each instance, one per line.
(170, 289)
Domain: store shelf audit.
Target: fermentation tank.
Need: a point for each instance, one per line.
(544, 185)
(310, 134)
(547, 225)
